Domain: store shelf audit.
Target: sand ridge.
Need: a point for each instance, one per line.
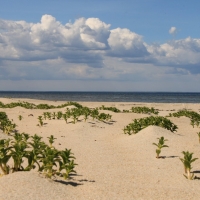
(111, 165)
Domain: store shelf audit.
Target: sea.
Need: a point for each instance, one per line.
(148, 97)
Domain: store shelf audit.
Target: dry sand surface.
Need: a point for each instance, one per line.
(111, 165)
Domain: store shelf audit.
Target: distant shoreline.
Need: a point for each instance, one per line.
(151, 97)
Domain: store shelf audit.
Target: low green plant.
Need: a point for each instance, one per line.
(198, 136)
(187, 160)
(20, 117)
(66, 166)
(86, 112)
(144, 110)
(28, 105)
(40, 119)
(3, 116)
(52, 157)
(125, 111)
(139, 124)
(7, 126)
(48, 115)
(94, 113)
(59, 115)
(4, 155)
(45, 115)
(75, 113)
(67, 115)
(194, 116)
(51, 140)
(113, 109)
(27, 153)
(19, 151)
(160, 145)
(54, 115)
(104, 117)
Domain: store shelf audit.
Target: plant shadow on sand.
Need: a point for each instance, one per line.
(163, 157)
(110, 122)
(196, 172)
(172, 156)
(73, 182)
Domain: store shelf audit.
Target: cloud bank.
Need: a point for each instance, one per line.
(88, 49)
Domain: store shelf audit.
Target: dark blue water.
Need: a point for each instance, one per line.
(157, 97)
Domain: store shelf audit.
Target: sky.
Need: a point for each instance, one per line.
(100, 45)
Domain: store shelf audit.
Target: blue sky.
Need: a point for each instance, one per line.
(107, 45)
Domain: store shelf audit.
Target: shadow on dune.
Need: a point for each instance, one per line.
(74, 183)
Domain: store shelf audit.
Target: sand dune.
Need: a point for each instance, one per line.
(111, 165)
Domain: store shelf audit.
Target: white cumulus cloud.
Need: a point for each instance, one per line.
(172, 30)
(124, 43)
(52, 50)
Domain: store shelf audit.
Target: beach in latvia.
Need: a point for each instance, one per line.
(111, 165)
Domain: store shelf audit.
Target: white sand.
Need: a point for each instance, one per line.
(111, 165)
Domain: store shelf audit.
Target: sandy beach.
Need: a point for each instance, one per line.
(111, 165)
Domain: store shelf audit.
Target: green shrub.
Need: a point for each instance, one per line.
(47, 159)
(104, 117)
(59, 115)
(40, 120)
(139, 124)
(198, 136)
(75, 113)
(3, 116)
(114, 109)
(94, 113)
(187, 160)
(44, 106)
(194, 117)
(144, 110)
(39, 106)
(5, 124)
(20, 117)
(160, 145)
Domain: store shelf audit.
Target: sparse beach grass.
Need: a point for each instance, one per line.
(110, 163)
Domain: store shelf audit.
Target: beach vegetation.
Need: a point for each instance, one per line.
(54, 115)
(67, 115)
(198, 136)
(45, 115)
(126, 111)
(94, 113)
(28, 105)
(51, 140)
(27, 153)
(86, 112)
(75, 113)
(104, 117)
(20, 117)
(113, 109)
(139, 124)
(3, 116)
(40, 120)
(194, 116)
(49, 115)
(187, 160)
(160, 145)
(59, 114)
(4, 155)
(144, 110)
(7, 126)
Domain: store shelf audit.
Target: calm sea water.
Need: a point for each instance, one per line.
(157, 97)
